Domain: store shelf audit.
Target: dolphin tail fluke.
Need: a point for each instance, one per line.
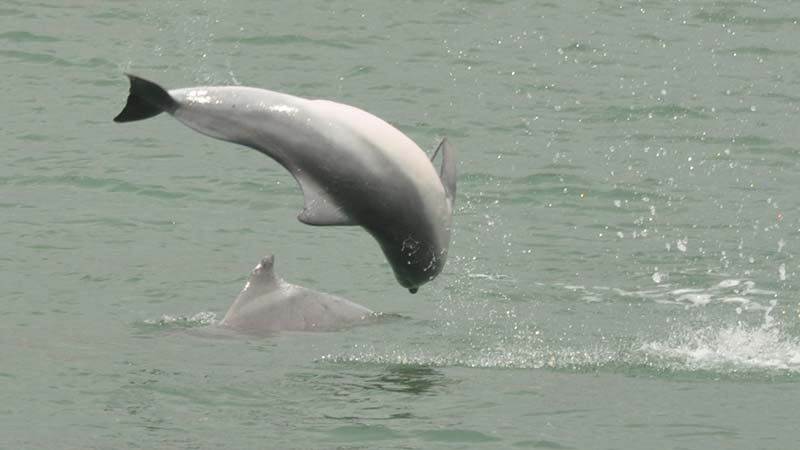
(146, 99)
(447, 173)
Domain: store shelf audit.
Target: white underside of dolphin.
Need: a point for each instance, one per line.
(269, 304)
(353, 167)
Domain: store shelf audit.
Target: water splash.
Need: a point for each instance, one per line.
(730, 349)
(200, 319)
(739, 348)
(721, 351)
(500, 355)
(496, 333)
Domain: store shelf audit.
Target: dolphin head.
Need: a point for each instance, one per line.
(415, 263)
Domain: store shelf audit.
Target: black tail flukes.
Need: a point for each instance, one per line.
(146, 99)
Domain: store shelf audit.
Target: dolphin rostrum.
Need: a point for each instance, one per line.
(353, 167)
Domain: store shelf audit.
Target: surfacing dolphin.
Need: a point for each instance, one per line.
(269, 304)
(353, 167)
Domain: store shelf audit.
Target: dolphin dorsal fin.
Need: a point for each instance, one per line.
(447, 172)
(320, 208)
(262, 281)
(263, 276)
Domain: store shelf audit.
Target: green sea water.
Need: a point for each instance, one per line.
(622, 273)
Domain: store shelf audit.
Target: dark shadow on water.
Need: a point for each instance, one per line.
(407, 379)
(367, 381)
(403, 379)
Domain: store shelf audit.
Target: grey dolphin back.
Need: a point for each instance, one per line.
(268, 304)
(448, 171)
(146, 99)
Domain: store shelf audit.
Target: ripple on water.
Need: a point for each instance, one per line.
(455, 436)
(760, 51)
(35, 58)
(88, 182)
(284, 40)
(25, 36)
(614, 114)
(742, 293)
(731, 16)
(10, 12)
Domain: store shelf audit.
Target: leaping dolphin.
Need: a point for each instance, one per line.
(353, 167)
(268, 304)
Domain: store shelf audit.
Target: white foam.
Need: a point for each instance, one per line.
(730, 349)
(740, 300)
(694, 299)
(726, 291)
(726, 284)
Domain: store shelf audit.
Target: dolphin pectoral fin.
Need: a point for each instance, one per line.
(447, 172)
(324, 215)
(321, 209)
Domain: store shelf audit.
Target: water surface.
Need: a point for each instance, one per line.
(622, 271)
